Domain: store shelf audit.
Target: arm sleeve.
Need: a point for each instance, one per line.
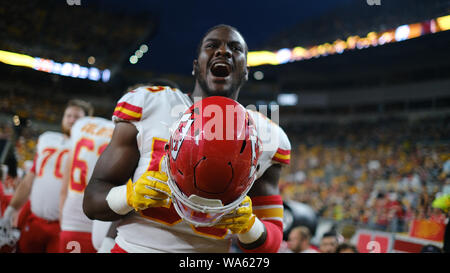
(129, 107)
(283, 154)
(269, 209)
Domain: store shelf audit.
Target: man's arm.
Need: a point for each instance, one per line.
(22, 192)
(267, 184)
(114, 167)
(20, 197)
(65, 185)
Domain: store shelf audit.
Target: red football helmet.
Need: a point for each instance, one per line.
(212, 158)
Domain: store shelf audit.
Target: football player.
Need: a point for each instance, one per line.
(89, 137)
(149, 220)
(42, 184)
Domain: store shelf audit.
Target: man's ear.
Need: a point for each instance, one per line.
(194, 67)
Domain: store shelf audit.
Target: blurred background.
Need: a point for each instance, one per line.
(361, 87)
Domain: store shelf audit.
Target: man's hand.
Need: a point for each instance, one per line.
(8, 235)
(150, 190)
(239, 220)
(5, 223)
(7, 220)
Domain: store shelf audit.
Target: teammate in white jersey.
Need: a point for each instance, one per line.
(43, 185)
(136, 151)
(89, 137)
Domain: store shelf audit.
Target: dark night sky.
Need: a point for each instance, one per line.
(183, 23)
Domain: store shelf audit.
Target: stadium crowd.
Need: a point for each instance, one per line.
(15, 100)
(378, 175)
(44, 29)
(356, 18)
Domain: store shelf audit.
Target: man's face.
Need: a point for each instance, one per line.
(71, 114)
(221, 67)
(328, 245)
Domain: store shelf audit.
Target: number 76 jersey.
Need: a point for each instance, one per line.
(49, 162)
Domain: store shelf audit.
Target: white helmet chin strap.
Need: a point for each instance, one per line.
(214, 203)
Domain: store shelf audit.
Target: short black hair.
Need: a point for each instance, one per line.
(164, 82)
(329, 234)
(199, 46)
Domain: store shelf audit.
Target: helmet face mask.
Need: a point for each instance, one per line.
(200, 211)
(210, 173)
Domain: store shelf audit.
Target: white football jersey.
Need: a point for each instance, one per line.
(49, 162)
(89, 137)
(153, 110)
(276, 147)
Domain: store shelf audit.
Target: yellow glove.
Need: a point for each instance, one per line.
(150, 190)
(239, 220)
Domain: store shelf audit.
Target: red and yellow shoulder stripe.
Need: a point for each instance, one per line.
(269, 208)
(282, 156)
(128, 111)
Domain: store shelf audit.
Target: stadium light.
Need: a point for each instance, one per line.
(299, 53)
(106, 75)
(84, 72)
(91, 60)
(76, 69)
(133, 59)
(47, 65)
(283, 55)
(255, 58)
(401, 33)
(16, 59)
(138, 53)
(56, 69)
(285, 99)
(143, 48)
(66, 69)
(258, 75)
(94, 74)
(444, 22)
(339, 46)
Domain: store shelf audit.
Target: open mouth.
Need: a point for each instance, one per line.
(220, 70)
